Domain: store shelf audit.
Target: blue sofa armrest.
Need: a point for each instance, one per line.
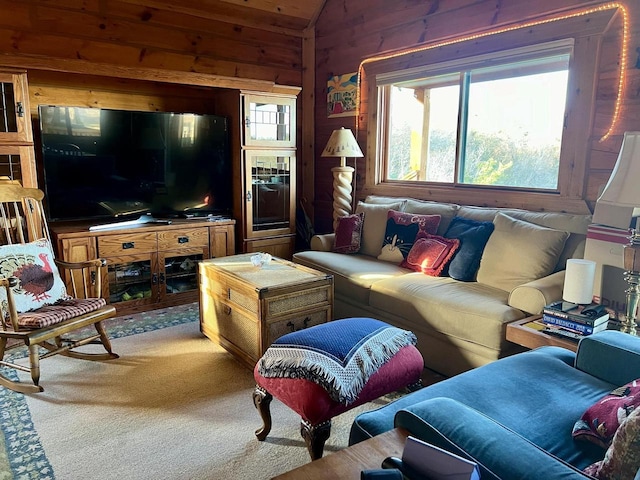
(611, 356)
(499, 452)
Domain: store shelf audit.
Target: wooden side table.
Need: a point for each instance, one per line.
(523, 333)
(348, 463)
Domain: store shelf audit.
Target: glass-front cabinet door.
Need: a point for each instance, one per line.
(180, 272)
(131, 279)
(13, 108)
(269, 121)
(15, 163)
(269, 192)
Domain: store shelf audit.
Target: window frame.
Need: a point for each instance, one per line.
(586, 34)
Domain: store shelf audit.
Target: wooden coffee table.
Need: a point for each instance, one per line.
(348, 463)
(245, 308)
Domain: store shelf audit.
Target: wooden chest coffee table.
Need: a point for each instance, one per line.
(245, 308)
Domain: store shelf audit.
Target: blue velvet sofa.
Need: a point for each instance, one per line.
(514, 416)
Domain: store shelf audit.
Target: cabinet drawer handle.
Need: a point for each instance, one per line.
(183, 239)
(128, 245)
(227, 310)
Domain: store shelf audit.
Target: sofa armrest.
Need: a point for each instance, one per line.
(499, 452)
(611, 356)
(531, 297)
(323, 243)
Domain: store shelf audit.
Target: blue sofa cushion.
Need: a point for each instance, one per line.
(473, 236)
(537, 394)
(456, 427)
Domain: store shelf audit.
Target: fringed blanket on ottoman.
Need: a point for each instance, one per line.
(325, 370)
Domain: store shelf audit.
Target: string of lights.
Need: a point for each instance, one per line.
(529, 24)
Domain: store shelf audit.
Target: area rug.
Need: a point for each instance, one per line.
(174, 406)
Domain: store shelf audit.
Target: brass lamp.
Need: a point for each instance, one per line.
(618, 204)
(342, 144)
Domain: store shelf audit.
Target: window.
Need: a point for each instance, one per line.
(490, 120)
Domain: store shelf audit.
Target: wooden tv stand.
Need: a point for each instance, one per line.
(150, 265)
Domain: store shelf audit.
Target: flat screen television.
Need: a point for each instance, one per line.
(101, 163)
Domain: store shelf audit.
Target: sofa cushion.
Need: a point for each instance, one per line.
(348, 233)
(601, 420)
(510, 392)
(473, 236)
(375, 222)
(519, 252)
(465, 310)
(622, 459)
(353, 275)
(575, 224)
(424, 207)
(430, 254)
(401, 232)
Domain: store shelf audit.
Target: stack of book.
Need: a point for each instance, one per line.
(574, 321)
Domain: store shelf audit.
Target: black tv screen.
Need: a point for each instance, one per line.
(102, 163)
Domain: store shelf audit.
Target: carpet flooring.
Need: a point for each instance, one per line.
(173, 406)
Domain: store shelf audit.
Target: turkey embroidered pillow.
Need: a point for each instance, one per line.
(39, 281)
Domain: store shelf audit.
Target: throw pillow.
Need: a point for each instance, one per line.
(348, 233)
(401, 232)
(600, 422)
(473, 236)
(519, 252)
(430, 254)
(622, 460)
(375, 223)
(39, 281)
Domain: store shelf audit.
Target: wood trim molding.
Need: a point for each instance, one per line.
(37, 62)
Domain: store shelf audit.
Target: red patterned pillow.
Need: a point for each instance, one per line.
(348, 233)
(622, 459)
(430, 254)
(600, 422)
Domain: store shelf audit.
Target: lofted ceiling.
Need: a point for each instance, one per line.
(286, 16)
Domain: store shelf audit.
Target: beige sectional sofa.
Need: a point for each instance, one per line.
(459, 325)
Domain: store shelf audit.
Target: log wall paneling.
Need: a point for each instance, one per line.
(349, 31)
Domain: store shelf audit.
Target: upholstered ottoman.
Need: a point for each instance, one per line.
(325, 370)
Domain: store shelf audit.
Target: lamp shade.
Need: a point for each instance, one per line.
(342, 143)
(621, 195)
(578, 281)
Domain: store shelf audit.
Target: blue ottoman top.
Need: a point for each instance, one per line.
(340, 355)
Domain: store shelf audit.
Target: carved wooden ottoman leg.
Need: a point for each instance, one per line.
(262, 400)
(315, 437)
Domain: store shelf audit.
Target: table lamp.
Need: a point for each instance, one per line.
(616, 206)
(578, 283)
(342, 144)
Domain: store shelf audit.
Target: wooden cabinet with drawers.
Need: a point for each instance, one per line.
(148, 266)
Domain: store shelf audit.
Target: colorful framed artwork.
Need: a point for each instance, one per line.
(342, 95)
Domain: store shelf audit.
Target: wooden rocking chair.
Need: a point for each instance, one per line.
(28, 277)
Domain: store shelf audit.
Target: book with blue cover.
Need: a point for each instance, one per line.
(578, 327)
(573, 313)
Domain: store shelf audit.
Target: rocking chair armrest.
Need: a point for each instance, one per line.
(96, 263)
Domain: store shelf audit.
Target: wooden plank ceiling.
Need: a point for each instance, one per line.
(285, 16)
(251, 44)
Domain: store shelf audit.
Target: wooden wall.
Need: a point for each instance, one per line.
(116, 38)
(349, 31)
